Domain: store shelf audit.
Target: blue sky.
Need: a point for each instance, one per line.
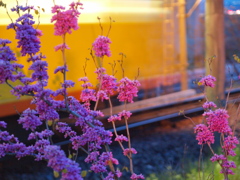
(232, 4)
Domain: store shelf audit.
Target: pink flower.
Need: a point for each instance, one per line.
(101, 46)
(88, 95)
(229, 144)
(136, 177)
(84, 79)
(102, 95)
(125, 114)
(66, 20)
(218, 121)
(208, 81)
(114, 118)
(39, 32)
(217, 157)
(121, 138)
(129, 151)
(226, 165)
(209, 104)
(204, 135)
(61, 47)
(127, 89)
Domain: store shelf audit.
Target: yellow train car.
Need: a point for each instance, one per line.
(143, 30)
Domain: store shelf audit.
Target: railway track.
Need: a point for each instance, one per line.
(178, 109)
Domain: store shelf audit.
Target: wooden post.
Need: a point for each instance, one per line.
(214, 44)
(183, 44)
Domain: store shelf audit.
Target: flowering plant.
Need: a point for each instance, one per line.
(44, 120)
(216, 120)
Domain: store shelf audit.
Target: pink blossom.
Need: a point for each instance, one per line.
(204, 135)
(136, 177)
(61, 47)
(101, 46)
(88, 95)
(100, 71)
(218, 121)
(84, 79)
(102, 95)
(208, 81)
(114, 118)
(121, 138)
(226, 165)
(108, 84)
(39, 32)
(125, 114)
(229, 144)
(65, 20)
(127, 89)
(227, 171)
(209, 104)
(217, 157)
(129, 151)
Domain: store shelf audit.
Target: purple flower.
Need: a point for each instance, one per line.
(62, 69)
(7, 68)
(29, 119)
(68, 84)
(27, 36)
(41, 135)
(40, 70)
(3, 124)
(58, 161)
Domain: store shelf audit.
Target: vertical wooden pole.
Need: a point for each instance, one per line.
(214, 44)
(183, 44)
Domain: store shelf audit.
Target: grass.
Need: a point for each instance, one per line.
(192, 171)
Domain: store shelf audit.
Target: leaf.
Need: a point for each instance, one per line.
(56, 174)
(125, 168)
(49, 122)
(70, 156)
(36, 12)
(236, 58)
(43, 9)
(84, 173)
(64, 171)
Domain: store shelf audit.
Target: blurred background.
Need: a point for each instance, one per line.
(167, 41)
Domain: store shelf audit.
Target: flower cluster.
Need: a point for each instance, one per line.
(7, 67)
(65, 20)
(29, 119)
(207, 81)
(217, 121)
(209, 105)
(101, 46)
(28, 36)
(204, 135)
(59, 162)
(127, 89)
(108, 84)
